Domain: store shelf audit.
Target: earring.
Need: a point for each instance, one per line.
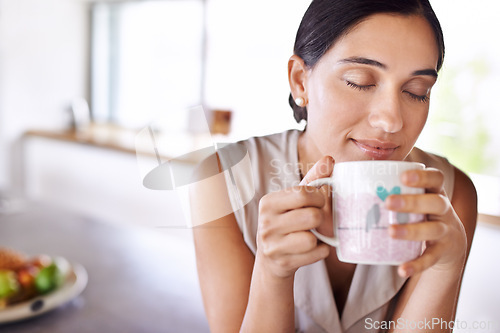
(300, 101)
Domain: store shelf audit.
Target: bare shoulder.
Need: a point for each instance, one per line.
(464, 193)
(465, 203)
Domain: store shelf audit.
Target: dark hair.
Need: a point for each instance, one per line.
(327, 20)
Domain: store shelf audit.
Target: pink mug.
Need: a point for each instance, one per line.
(360, 219)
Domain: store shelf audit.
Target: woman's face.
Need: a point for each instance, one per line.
(368, 96)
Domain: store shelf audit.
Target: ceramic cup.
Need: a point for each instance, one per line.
(360, 219)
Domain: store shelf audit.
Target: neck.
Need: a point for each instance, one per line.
(308, 153)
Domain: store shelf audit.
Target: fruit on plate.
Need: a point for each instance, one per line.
(8, 283)
(22, 278)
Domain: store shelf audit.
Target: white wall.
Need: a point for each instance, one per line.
(98, 182)
(43, 66)
(249, 44)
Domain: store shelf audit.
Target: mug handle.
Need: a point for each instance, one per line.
(332, 241)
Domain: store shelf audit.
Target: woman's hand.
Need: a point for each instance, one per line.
(284, 242)
(443, 232)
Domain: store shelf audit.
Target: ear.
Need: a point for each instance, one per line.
(297, 76)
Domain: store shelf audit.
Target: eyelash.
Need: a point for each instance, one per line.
(418, 98)
(357, 86)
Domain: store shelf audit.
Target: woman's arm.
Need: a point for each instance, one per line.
(241, 293)
(224, 265)
(284, 243)
(431, 293)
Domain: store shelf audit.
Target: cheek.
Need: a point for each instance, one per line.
(331, 106)
(416, 118)
(414, 124)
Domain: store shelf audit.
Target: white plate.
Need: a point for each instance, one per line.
(75, 283)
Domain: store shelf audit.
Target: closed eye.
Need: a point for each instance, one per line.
(359, 87)
(418, 98)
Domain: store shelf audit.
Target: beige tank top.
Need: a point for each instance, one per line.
(274, 164)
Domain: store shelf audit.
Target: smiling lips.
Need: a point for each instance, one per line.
(376, 149)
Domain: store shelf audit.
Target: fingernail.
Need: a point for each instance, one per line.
(405, 271)
(411, 178)
(397, 231)
(396, 202)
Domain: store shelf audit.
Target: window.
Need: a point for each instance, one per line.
(147, 58)
(151, 57)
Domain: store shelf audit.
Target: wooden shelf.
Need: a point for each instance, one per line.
(107, 137)
(185, 149)
(489, 219)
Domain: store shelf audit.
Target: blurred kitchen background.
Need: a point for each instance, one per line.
(79, 79)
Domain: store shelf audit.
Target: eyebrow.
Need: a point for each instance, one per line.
(371, 62)
(430, 71)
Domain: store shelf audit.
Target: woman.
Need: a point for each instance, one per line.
(361, 77)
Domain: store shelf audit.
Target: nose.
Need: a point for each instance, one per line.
(385, 113)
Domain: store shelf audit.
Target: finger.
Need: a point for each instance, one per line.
(299, 242)
(429, 203)
(322, 168)
(430, 179)
(301, 219)
(320, 252)
(293, 243)
(421, 231)
(292, 198)
(427, 259)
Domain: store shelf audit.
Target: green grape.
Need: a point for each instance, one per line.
(48, 279)
(8, 283)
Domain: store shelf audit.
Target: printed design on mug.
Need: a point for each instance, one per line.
(382, 192)
(372, 218)
(360, 211)
(362, 223)
(373, 215)
(366, 211)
